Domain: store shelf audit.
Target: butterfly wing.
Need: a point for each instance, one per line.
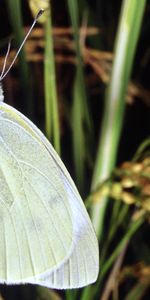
(51, 240)
(81, 268)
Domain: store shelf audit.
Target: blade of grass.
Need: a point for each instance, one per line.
(51, 101)
(48, 102)
(112, 232)
(108, 263)
(15, 14)
(78, 134)
(88, 291)
(141, 149)
(138, 291)
(125, 46)
(80, 109)
(71, 294)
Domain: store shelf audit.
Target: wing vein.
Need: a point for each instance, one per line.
(16, 237)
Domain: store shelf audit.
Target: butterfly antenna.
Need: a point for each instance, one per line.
(3, 74)
(5, 60)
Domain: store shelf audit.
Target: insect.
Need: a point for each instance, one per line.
(46, 236)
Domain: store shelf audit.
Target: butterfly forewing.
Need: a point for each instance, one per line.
(34, 205)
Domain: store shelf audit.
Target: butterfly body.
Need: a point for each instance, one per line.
(46, 236)
(1, 93)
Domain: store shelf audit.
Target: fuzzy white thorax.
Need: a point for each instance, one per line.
(1, 93)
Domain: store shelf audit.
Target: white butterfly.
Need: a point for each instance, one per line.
(46, 236)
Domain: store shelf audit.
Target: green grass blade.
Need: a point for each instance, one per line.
(142, 148)
(80, 110)
(78, 134)
(74, 15)
(111, 259)
(51, 101)
(47, 76)
(125, 46)
(137, 292)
